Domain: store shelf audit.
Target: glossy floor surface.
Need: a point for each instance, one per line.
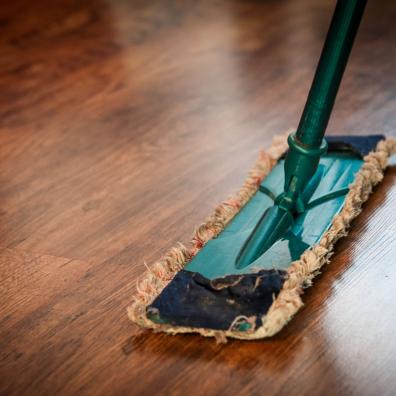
(123, 123)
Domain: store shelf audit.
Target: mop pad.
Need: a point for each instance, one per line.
(256, 303)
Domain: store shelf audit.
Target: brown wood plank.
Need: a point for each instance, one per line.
(122, 124)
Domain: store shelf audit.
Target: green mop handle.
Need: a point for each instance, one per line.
(307, 144)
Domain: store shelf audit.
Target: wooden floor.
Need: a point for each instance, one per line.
(123, 123)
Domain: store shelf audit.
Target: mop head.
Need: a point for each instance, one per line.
(255, 302)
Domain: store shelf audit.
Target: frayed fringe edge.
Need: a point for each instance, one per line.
(301, 272)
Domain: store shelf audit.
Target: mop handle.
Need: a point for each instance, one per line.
(307, 145)
(329, 72)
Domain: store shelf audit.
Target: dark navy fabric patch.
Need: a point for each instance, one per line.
(192, 300)
(359, 145)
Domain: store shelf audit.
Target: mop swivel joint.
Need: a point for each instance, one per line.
(300, 165)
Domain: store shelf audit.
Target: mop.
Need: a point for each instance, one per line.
(247, 266)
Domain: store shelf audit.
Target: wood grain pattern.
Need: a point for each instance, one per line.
(123, 123)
